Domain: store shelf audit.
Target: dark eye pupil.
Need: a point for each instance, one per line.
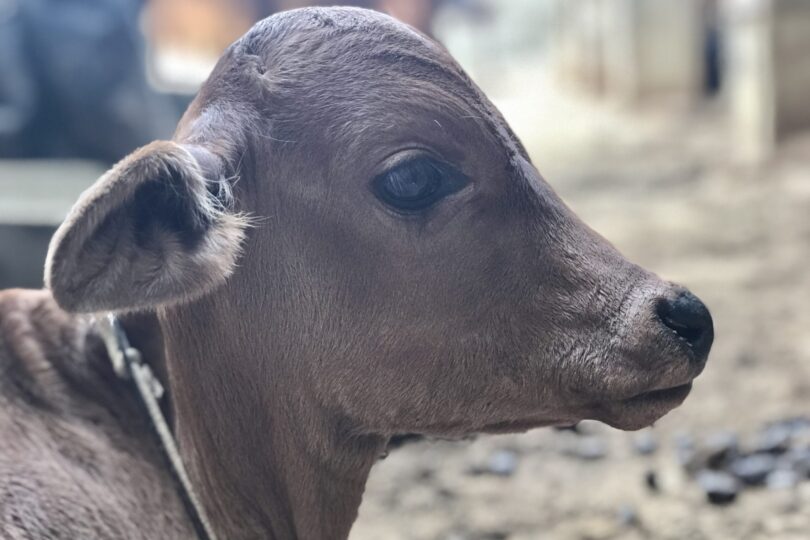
(412, 182)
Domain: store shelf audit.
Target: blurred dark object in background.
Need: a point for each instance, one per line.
(25, 246)
(74, 83)
(713, 47)
(35, 196)
(74, 71)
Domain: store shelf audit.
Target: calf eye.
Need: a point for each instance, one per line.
(417, 184)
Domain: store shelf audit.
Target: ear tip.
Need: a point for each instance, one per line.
(53, 272)
(68, 302)
(60, 291)
(56, 279)
(73, 300)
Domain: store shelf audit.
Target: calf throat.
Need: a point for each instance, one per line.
(266, 460)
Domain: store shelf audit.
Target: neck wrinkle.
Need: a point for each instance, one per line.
(265, 460)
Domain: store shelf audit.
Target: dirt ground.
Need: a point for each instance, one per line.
(666, 190)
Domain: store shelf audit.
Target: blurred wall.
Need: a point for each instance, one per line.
(633, 52)
(630, 50)
(769, 73)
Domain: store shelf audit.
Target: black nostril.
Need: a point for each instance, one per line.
(689, 318)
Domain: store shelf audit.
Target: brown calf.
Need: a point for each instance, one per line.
(343, 242)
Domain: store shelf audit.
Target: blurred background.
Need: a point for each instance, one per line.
(680, 130)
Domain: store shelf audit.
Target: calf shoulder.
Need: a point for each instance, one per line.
(77, 459)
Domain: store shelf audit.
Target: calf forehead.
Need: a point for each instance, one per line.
(347, 71)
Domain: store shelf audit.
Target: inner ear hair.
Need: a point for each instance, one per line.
(174, 203)
(215, 171)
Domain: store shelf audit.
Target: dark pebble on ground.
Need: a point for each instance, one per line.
(797, 459)
(645, 443)
(720, 488)
(774, 439)
(627, 516)
(754, 469)
(777, 457)
(651, 481)
(782, 479)
(502, 463)
(589, 448)
(720, 448)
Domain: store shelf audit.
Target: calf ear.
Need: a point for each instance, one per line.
(155, 229)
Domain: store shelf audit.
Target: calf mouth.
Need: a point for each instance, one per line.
(673, 395)
(643, 409)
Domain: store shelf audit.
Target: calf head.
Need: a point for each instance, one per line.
(365, 221)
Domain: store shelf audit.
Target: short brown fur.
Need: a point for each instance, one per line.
(299, 321)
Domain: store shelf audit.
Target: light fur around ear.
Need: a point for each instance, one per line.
(156, 229)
